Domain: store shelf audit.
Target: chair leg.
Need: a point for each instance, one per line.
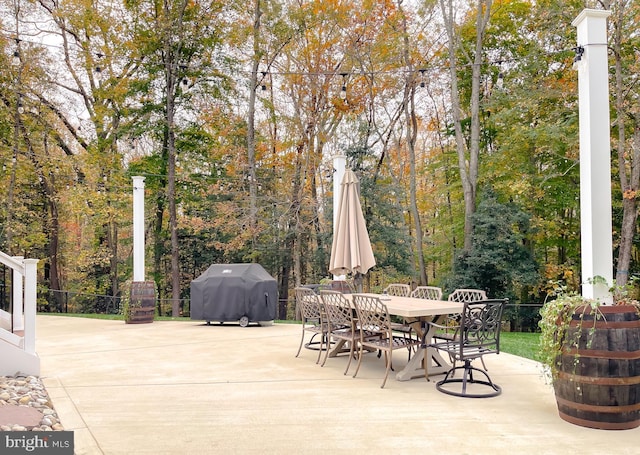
(326, 351)
(301, 341)
(351, 354)
(360, 355)
(322, 343)
(468, 378)
(388, 358)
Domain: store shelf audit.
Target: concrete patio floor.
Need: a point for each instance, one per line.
(189, 388)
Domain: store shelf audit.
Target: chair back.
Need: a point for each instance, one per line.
(398, 290)
(427, 292)
(480, 324)
(467, 295)
(308, 304)
(338, 309)
(341, 286)
(373, 315)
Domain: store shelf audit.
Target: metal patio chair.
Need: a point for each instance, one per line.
(427, 292)
(373, 317)
(401, 290)
(459, 295)
(397, 289)
(342, 323)
(477, 335)
(309, 307)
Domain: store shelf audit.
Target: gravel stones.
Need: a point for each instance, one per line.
(25, 405)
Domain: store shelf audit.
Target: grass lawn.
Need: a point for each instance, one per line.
(520, 343)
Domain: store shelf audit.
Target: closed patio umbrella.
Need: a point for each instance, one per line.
(351, 250)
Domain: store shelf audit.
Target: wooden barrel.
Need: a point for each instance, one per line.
(598, 385)
(143, 302)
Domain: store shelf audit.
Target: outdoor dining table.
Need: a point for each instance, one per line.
(417, 312)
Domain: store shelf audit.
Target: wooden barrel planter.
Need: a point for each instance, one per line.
(142, 302)
(598, 384)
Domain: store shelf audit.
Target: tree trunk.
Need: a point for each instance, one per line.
(467, 162)
(411, 135)
(251, 136)
(628, 167)
(171, 192)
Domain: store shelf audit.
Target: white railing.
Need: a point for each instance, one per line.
(18, 327)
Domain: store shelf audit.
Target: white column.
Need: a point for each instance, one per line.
(30, 304)
(18, 307)
(595, 167)
(138, 228)
(339, 166)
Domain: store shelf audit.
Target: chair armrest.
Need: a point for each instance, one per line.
(455, 328)
(440, 326)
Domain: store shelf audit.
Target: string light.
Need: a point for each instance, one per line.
(578, 50)
(264, 85)
(98, 68)
(343, 90)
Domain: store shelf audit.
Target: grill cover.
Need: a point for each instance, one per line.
(229, 292)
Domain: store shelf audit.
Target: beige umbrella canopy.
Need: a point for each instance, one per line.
(351, 250)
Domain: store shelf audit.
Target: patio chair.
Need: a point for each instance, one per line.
(342, 322)
(467, 295)
(477, 335)
(397, 289)
(427, 292)
(459, 295)
(373, 317)
(309, 307)
(401, 290)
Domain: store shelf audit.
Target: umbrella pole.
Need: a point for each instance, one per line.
(357, 281)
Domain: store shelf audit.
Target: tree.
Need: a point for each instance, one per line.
(178, 39)
(500, 261)
(468, 155)
(625, 42)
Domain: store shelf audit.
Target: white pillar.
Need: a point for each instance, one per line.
(18, 307)
(595, 167)
(30, 304)
(339, 165)
(138, 228)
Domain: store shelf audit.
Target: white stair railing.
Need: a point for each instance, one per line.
(24, 301)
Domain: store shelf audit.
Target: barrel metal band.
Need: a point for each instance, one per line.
(632, 380)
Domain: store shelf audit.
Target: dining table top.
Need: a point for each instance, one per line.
(412, 307)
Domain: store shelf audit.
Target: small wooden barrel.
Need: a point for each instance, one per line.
(600, 387)
(143, 302)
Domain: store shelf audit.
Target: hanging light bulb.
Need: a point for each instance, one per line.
(263, 86)
(16, 53)
(343, 90)
(98, 68)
